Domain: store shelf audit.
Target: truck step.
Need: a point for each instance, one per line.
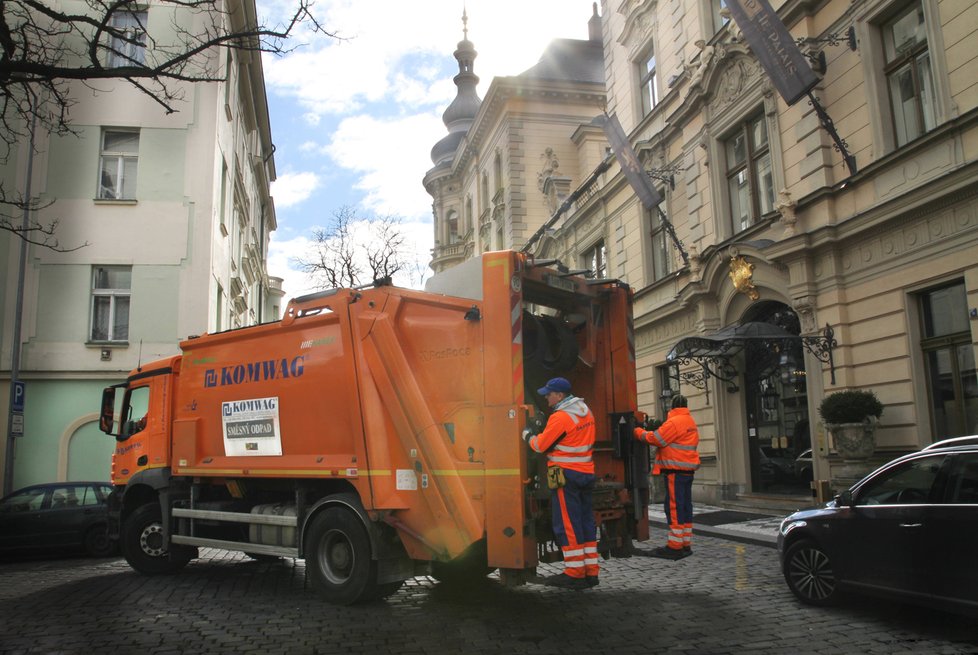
(260, 549)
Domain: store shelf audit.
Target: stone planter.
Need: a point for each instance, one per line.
(855, 442)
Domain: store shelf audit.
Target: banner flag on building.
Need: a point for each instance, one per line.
(630, 166)
(774, 48)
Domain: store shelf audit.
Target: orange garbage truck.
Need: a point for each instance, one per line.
(376, 432)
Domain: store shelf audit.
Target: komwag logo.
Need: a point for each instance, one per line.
(257, 405)
(272, 369)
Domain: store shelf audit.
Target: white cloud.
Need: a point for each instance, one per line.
(391, 41)
(311, 118)
(391, 157)
(292, 188)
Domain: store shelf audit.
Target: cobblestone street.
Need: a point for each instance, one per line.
(728, 598)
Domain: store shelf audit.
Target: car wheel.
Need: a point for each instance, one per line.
(338, 557)
(809, 574)
(143, 545)
(97, 542)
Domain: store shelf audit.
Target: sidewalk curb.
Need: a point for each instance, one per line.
(722, 532)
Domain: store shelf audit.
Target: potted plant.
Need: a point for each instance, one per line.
(851, 417)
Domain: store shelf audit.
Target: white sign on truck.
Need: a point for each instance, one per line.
(251, 427)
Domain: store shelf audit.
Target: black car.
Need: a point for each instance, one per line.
(57, 515)
(908, 530)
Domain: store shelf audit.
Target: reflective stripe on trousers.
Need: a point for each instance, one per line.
(573, 524)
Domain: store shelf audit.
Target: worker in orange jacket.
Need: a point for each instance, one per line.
(568, 440)
(676, 441)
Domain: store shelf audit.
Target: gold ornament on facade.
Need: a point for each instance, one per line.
(742, 276)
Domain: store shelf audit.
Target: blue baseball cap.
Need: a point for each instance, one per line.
(556, 384)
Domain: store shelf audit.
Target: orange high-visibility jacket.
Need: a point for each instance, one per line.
(676, 440)
(572, 418)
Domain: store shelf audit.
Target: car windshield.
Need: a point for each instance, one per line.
(908, 483)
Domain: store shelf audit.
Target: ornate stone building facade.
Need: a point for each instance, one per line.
(509, 160)
(886, 256)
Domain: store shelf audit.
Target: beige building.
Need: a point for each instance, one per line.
(176, 214)
(886, 257)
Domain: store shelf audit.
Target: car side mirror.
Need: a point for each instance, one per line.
(845, 499)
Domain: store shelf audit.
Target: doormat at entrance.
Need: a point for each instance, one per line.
(723, 517)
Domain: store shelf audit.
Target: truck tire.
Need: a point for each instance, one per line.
(142, 543)
(338, 557)
(97, 542)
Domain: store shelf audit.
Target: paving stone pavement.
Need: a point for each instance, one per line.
(728, 597)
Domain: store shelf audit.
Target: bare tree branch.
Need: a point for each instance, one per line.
(46, 45)
(356, 249)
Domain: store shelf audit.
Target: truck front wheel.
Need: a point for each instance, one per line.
(338, 557)
(143, 545)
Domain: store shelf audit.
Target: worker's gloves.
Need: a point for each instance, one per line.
(527, 435)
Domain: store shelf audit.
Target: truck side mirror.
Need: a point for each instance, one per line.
(107, 417)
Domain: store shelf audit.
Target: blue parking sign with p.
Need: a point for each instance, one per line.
(19, 390)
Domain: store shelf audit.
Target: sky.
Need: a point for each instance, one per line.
(354, 119)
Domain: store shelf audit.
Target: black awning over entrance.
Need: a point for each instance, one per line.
(765, 346)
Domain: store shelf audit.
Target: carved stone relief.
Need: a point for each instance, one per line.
(733, 80)
(786, 207)
(554, 186)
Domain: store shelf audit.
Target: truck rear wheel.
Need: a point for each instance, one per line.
(338, 557)
(143, 545)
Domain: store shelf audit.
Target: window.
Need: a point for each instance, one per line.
(485, 192)
(222, 201)
(952, 378)
(907, 484)
(219, 309)
(497, 169)
(720, 17)
(453, 227)
(750, 181)
(668, 386)
(661, 246)
(909, 78)
(595, 260)
(127, 43)
(110, 303)
(648, 85)
(117, 165)
(29, 500)
(963, 484)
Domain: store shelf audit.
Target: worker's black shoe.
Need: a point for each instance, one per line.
(664, 552)
(592, 581)
(564, 581)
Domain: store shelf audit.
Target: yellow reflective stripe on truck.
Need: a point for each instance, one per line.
(327, 473)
